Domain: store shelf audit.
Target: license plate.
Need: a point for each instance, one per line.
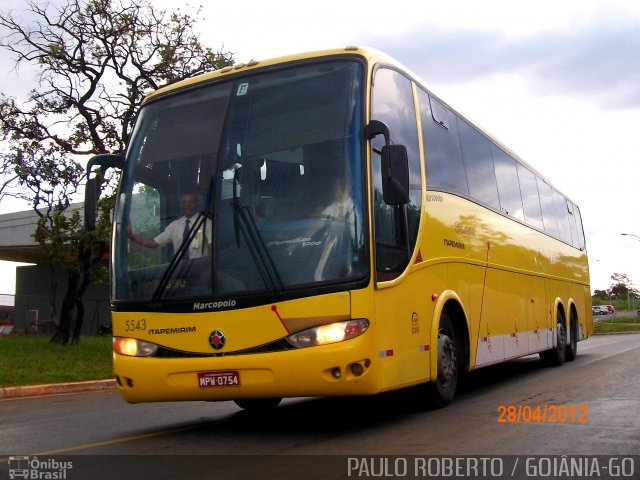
(228, 378)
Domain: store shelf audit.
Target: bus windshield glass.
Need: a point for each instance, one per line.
(246, 186)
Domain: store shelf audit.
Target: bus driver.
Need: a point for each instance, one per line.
(179, 231)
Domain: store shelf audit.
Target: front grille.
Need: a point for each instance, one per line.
(276, 346)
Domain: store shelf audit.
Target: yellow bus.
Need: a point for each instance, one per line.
(323, 224)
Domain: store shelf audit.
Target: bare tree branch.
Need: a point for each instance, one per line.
(96, 59)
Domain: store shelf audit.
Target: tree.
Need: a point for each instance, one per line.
(8, 175)
(602, 294)
(96, 59)
(622, 286)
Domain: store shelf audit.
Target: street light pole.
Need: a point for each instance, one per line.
(630, 235)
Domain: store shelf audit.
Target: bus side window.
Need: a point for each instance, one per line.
(575, 241)
(530, 197)
(549, 215)
(443, 156)
(508, 184)
(478, 162)
(581, 244)
(563, 216)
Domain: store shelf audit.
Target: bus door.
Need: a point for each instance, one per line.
(400, 309)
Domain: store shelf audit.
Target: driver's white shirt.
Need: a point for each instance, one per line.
(175, 230)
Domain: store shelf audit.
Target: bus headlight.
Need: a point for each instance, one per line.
(330, 333)
(132, 347)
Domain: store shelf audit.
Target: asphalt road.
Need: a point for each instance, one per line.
(589, 406)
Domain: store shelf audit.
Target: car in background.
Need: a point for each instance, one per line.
(600, 310)
(610, 308)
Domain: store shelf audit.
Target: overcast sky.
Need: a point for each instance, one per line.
(557, 81)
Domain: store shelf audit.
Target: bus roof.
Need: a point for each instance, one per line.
(373, 57)
(259, 64)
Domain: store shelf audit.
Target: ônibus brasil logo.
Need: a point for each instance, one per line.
(34, 468)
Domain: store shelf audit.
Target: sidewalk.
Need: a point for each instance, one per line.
(56, 389)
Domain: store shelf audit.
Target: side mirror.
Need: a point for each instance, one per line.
(395, 165)
(90, 204)
(91, 188)
(395, 175)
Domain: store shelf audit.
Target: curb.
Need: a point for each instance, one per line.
(56, 389)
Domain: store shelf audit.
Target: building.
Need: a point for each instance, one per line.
(31, 311)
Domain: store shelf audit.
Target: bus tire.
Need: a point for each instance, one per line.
(258, 404)
(442, 390)
(555, 356)
(572, 345)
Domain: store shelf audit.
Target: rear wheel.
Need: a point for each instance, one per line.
(258, 404)
(572, 346)
(555, 356)
(442, 390)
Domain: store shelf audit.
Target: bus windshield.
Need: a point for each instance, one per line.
(245, 187)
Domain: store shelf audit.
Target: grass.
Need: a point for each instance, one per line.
(617, 325)
(32, 360)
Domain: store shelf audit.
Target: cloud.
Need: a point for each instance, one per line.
(597, 59)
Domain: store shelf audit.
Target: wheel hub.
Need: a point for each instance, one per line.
(562, 336)
(446, 358)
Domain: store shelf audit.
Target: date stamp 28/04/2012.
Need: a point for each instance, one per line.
(542, 414)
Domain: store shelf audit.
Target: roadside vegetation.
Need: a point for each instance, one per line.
(617, 323)
(619, 304)
(33, 360)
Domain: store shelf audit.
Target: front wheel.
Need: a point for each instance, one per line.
(443, 389)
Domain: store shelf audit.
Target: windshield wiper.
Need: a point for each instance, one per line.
(177, 258)
(245, 224)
